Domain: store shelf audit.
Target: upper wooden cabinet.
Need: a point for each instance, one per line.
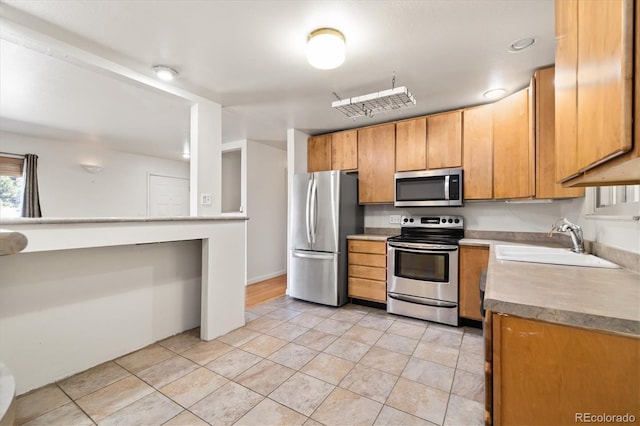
(319, 153)
(411, 145)
(594, 89)
(546, 186)
(376, 163)
(513, 147)
(344, 150)
(477, 148)
(444, 140)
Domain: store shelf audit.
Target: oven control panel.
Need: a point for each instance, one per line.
(443, 221)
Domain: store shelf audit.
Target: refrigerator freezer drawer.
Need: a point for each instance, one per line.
(314, 277)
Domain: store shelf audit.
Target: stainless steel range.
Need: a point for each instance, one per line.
(422, 268)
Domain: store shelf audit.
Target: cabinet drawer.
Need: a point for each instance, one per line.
(368, 272)
(364, 259)
(368, 289)
(373, 247)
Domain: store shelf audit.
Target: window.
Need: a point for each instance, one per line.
(617, 201)
(10, 186)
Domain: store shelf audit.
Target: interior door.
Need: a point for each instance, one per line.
(325, 211)
(168, 196)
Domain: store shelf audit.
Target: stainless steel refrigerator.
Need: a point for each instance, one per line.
(324, 211)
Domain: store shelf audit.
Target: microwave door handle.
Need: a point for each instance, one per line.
(446, 187)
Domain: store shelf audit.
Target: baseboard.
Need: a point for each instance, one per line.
(265, 277)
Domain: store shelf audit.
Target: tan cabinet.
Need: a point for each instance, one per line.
(544, 373)
(477, 149)
(513, 147)
(368, 270)
(594, 90)
(344, 150)
(376, 163)
(411, 145)
(444, 140)
(319, 153)
(546, 186)
(472, 261)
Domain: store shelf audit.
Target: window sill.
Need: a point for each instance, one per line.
(612, 217)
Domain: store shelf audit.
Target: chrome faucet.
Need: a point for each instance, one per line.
(575, 232)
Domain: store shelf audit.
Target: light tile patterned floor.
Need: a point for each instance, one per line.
(293, 363)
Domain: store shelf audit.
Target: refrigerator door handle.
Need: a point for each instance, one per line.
(315, 256)
(307, 215)
(314, 211)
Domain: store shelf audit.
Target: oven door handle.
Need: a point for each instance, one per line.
(423, 248)
(421, 301)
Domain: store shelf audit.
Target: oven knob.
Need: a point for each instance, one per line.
(411, 220)
(405, 220)
(457, 221)
(450, 220)
(444, 220)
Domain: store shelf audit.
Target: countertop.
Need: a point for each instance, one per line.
(596, 298)
(368, 237)
(76, 220)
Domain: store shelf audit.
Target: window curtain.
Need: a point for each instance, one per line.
(30, 197)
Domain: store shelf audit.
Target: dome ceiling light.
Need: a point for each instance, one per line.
(522, 44)
(164, 72)
(494, 93)
(326, 48)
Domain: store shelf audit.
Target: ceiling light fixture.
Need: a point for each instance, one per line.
(392, 99)
(92, 168)
(520, 45)
(325, 48)
(494, 93)
(164, 72)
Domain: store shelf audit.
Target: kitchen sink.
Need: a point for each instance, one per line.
(555, 256)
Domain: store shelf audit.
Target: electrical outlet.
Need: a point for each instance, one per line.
(394, 218)
(205, 199)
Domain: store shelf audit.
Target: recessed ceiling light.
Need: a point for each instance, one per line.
(520, 45)
(494, 93)
(325, 48)
(164, 72)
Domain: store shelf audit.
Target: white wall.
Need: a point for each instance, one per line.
(267, 211)
(67, 190)
(500, 216)
(82, 307)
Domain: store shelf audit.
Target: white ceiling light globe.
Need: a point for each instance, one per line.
(325, 48)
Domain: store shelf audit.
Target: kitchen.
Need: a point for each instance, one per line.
(535, 216)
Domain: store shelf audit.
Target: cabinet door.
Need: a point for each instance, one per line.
(411, 145)
(444, 140)
(472, 261)
(605, 80)
(548, 374)
(344, 150)
(319, 153)
(513, 147)
(566, 94)
(477, 150)
(546, 186)
(376, 164)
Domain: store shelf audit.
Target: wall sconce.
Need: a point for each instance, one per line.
(92, 168)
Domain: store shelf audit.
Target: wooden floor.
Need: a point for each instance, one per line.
(266, 290)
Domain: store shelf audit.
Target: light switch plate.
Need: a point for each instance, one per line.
(394, 218)
(205, 199)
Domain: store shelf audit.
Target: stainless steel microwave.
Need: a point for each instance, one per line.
(428, 188)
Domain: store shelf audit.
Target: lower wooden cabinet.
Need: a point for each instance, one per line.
(551, 374)
(368, 270)
(473, 259)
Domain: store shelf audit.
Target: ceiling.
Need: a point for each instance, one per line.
(249, 56)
